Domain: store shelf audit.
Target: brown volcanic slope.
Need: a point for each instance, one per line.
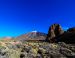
(34, 35)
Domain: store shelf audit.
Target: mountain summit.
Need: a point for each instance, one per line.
(34, 35)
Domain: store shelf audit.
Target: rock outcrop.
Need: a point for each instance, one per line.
(71, 30)
(56, 34)
(54, 31)
(68, 36)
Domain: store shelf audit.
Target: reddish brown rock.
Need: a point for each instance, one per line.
(54, 31)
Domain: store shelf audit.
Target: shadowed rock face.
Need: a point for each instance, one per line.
(54, 31)
(71, 29)
(68, 36)
(56, 34)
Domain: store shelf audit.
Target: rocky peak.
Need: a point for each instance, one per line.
(54, 31)
(35, 31)
(34, 35)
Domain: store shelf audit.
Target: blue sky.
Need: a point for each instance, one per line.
(22, 16)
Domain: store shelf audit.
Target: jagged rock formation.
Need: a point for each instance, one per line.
(54, 31)
(56, 34)
(68, 36)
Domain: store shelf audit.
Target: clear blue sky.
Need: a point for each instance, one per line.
(22, 16)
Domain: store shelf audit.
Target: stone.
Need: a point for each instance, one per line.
(54, 31)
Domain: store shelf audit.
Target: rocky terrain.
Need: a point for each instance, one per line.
(37, 50)
(56, 44)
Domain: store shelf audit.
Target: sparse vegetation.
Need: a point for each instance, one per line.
(9, 49)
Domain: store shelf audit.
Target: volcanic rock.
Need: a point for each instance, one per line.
(71, 29)
(54, 31)
(56, 34)
(68, 37)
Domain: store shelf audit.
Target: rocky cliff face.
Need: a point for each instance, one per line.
(68, 36)
(54, 31)
(56, 34)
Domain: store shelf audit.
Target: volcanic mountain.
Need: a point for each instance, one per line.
(34, 35)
